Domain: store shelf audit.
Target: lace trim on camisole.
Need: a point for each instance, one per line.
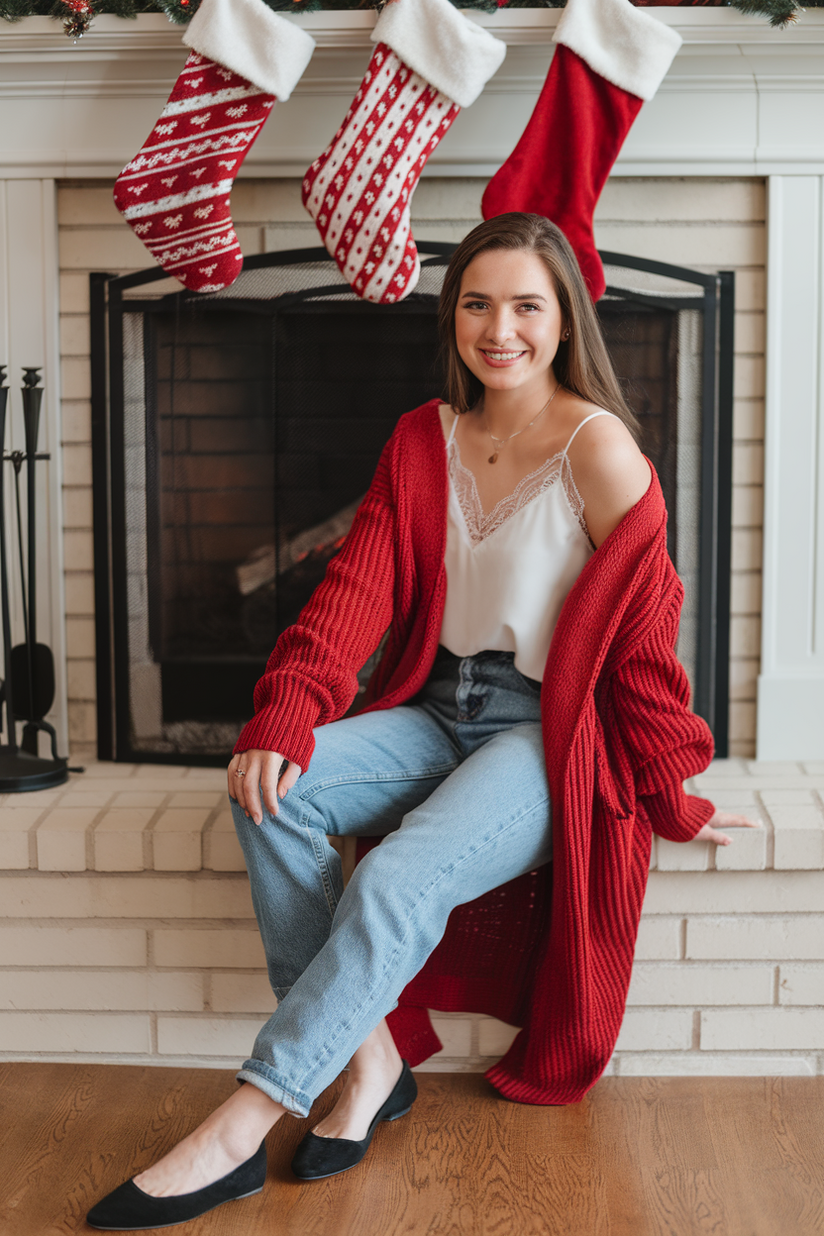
(556, 470)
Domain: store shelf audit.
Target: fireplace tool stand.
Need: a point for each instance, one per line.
(28, 688)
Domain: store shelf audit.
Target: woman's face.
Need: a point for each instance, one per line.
(508, 321)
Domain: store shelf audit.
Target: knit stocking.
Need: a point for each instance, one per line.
(430, 61)
(175, 193)
(611, 57)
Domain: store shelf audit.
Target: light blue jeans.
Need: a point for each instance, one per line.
(455, 782)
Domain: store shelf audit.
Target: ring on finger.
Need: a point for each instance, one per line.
(240, 772)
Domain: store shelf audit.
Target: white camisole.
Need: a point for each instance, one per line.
(508, 573)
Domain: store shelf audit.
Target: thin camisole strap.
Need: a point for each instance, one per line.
(591, 416)
(452, 430)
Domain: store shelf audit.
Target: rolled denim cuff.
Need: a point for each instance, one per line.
(266, 1079)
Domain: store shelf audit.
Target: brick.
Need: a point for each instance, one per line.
(80, 637)
(781, 1029)
(658, 1030)
(81, 682)
(108, 990)
(748, 851)
(80, 593)
(455, 1034)
(721, 245)
(75, 420)
(110, 769)
(118, 839)
(242, 993)
(726, 768)
(75, 381)
(80, 795)
(799, 837)
(747, 549)
(72, 946)
(176, 839)
(696, 985)
(74, 335)
(197, 798)
(747, 506)
(77, 508)
(750, 332)
(161, 773)
(139, 798)
(230, 947)
(14, 841)
(800, 984)
(659, 939)
(742, 722)
(494, 1037)
(745, 636)
(748, 419)
(748, 376)
(746, 592)
(743, 678)
(206, 1036)
(772, 768)
(714, 1064)
(74, 292)
(61, 839)
(748, 463)
(16, 824)
(69, 1032)
(646, 199)
(787, 798)
(758, 937)
(738, 892)
(683, 856)
(124, 896)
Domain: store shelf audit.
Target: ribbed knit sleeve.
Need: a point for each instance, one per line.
(665, 740)
(311, 676)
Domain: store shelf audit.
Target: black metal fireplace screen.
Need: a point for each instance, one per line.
(234, 433)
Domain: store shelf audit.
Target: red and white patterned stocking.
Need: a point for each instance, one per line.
(610, 59)
(175, 193)
(429, 63)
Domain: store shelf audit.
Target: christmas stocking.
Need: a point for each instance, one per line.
(430, 61)
(175, 192)
(611, 57)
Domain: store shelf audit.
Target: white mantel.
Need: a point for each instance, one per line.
(734, 102)
(741, 99)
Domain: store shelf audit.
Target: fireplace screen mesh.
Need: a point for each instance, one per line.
(252, 420)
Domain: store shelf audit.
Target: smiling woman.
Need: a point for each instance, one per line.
(528, 707)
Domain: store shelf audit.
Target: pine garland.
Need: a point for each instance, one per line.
(778, 12)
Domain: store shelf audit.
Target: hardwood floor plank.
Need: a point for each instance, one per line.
(638, 1157)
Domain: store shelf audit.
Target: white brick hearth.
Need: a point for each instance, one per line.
(127, 931)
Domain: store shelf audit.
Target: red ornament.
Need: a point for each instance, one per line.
(78, 18)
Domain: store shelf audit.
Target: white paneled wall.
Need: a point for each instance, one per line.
(707, 224)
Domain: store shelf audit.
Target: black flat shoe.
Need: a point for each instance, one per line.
(319, 1157)
(129, 1209)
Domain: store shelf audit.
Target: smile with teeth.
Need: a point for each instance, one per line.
(501, 355)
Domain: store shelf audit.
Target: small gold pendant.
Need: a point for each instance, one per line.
(493, 458)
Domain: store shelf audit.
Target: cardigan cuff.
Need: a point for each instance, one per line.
(285, 730)
(677, 816)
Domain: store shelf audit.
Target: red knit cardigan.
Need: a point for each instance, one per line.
(552, 951)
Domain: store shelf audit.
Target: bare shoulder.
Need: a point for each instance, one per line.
(610, 471)
(447, 417)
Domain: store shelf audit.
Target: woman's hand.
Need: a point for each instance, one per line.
(724, 819)
(253, 774)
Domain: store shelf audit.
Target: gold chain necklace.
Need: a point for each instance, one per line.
(498, 443)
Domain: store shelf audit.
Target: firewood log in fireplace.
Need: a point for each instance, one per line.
(264, 564)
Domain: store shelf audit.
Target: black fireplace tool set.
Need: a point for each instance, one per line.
(28, 688)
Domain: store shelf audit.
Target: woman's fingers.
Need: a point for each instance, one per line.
(253, 781)
(288, 779)
(726, 819)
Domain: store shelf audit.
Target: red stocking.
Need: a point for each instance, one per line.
(175, 192)
(610, 58)
(429, 63)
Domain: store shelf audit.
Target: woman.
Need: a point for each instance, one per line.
(450, 763)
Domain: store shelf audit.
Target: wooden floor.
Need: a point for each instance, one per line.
(673, 1156)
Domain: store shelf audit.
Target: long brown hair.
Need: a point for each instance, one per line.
(582, 364)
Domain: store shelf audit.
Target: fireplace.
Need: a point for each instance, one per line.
(235, 432)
